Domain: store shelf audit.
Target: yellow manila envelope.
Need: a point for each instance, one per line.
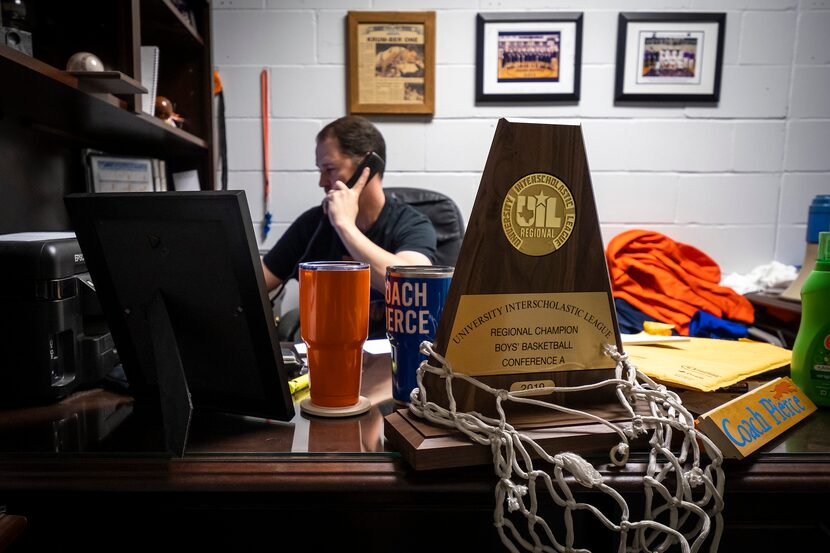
(706, 364)
(744, 424)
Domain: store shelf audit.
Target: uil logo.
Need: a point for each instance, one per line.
(538, 214)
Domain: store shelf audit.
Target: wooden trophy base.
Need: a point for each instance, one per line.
(427, 446)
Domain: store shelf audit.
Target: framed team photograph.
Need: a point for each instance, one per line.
(391, 62)
(673, 57)
(528, 57)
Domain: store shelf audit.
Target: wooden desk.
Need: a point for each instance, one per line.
(91, 473)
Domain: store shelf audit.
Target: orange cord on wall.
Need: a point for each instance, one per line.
(266, 222)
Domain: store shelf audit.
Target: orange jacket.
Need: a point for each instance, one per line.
(670, 281)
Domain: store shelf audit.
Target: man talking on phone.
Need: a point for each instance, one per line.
(358, 223)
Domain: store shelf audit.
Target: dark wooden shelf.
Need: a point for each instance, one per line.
(51, 100)
(112, 82)
(168, 19)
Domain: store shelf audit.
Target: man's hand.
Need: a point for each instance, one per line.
(341, 203)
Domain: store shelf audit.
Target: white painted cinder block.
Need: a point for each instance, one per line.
(734, 249)
(767, 37)
(241, 90)
(597, 98)
(455, 37)
(715, 5)
(244, 144)
(458, 145)
(319, 4)
(807, 146)
(630, 5)
(811, 92)
(607, 144)
(759, 146)
(732, 39)
(455, 91)
(662, 145)
(813, 42)
(405, 145)
(599, 37)
(317, 91)
(237, 4)
(293, 192)
(750, 91)
(410, 5)
(746, 199)
(646, 197)
(797, 193)
(293, 144)
(791, 244)
(331, 37)
(253, 37)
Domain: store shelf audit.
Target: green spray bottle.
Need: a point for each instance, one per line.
(810, 366)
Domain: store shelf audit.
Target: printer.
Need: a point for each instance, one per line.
(54, 339)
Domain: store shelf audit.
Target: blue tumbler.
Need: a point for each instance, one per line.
(818, 219)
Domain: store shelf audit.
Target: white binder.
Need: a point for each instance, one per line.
(149, 77)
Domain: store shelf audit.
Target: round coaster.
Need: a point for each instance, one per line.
(363, 404)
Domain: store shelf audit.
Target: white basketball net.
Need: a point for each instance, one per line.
(677, 489)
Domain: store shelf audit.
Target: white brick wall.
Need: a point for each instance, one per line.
(735, 179)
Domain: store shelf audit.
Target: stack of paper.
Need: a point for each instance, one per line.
(706, 364)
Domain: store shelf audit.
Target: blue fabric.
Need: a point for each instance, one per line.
(706, 325)
(629, 318)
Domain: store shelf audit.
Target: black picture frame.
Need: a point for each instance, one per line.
(559, 39)
(187, 338)
(688, 70)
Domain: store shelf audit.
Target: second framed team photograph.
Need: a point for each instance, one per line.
(528, 57)
(674, 57)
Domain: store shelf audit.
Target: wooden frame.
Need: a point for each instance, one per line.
(674, 57)
(402, 77)
(553, 72)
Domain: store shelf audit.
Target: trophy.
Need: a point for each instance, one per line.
(530, 307)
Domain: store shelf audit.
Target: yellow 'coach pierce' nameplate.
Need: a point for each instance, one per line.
(744, 424)
(497, 334)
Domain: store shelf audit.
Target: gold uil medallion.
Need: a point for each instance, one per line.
(538, 214)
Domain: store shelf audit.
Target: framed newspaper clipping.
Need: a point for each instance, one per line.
(391, 63)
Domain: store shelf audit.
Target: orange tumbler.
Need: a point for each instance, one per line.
(334, 324)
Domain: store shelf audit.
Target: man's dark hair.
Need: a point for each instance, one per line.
(356, 136)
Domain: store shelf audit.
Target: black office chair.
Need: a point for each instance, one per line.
(449, 230)
(445, 217)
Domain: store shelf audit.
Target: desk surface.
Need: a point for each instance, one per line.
(99, 423)
(104, 451)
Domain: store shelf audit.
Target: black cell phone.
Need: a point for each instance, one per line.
(373, 161)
